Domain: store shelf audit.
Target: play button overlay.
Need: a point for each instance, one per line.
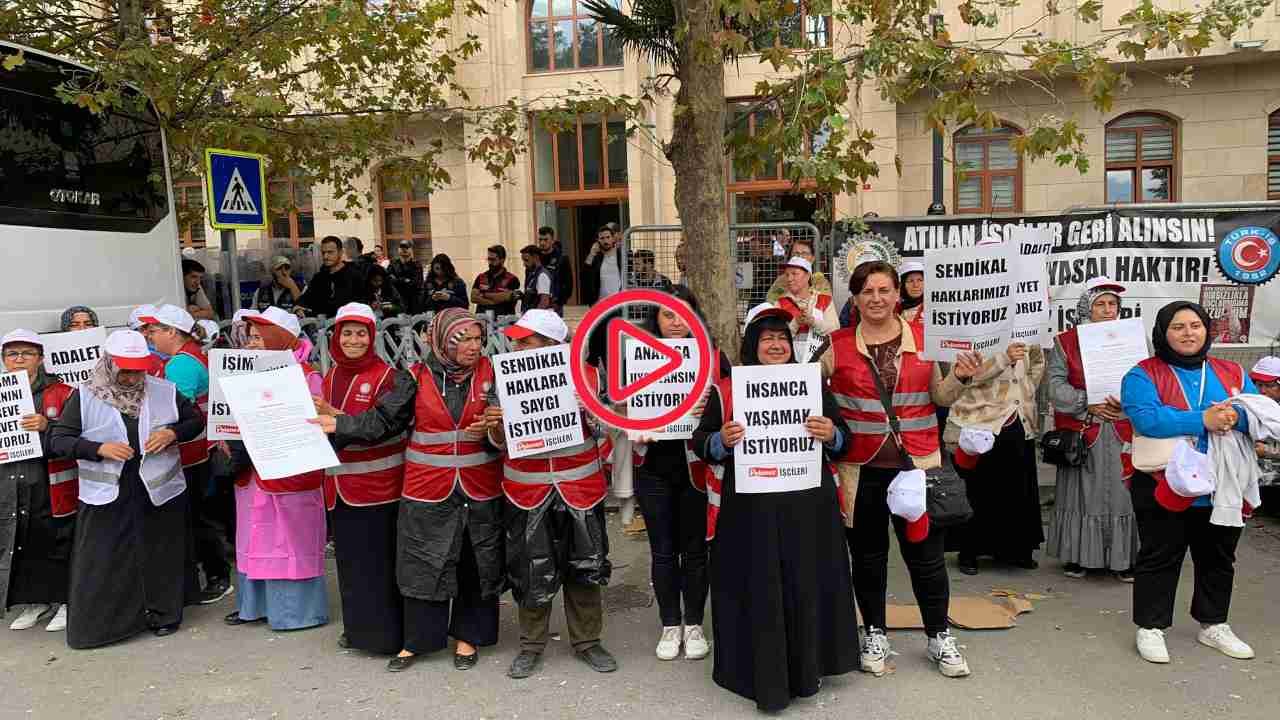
(616, 329)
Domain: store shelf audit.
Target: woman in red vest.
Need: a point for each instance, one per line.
(782, 609)
(1092, 526)
(363, 492)
(1181, 392)
(911, 294)
(281, 524)
(37, 500)
(449, 547)
(886, 345)
(811, 311)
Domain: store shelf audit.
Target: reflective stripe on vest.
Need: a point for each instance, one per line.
(713, 497)
(368, 466)
(450, 460)
(581, 472)
(439, 438)
(57, 478)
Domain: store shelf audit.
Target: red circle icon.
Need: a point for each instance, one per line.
(1251, 253)
(578, 367)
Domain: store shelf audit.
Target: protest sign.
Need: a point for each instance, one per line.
(539, 408)
(1109, 350)
(968, 303)
(1230, 307)
(229, 363)
(1031, 315)
(667, 393)
(772, 402)
(272, 411)
(72, 355)
(15, 403)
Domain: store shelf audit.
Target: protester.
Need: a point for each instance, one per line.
(280, 546)
(643, 272)
(382, 293)
(78, 317)
(602, 270)
(336, 284)
(810, 310)
(123, 427)
(559, 266)
(380, 257)
(1156, 396)
(1092, 526)
(238, 333)
(782, 610)
(406, 275)
(1266, 376)
(1002, 482)
(883, 350)
(362, 261)
(911, 294)
(193, 282)
(555, 527)
(495, 289)
(207, 332)
(443, 288)
(801, 248)
(40, 494)
(282, 291)
(537, 282)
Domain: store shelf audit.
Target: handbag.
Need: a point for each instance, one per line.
(1064, 448)
(946, 499)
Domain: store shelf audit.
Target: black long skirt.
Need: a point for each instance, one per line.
(781, 594)
(364, 541)
(41, 568)
(127, 567)
(1004, 492)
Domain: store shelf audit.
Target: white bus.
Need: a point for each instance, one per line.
(86, 214)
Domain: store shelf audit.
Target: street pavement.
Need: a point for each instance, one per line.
(1072, 657)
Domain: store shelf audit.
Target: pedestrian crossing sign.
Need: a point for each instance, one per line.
(237, 189)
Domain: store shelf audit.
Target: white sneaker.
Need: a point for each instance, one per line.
(875, 650)
(59, 621)
(29, 617)
(943, 651)
(696, 646)
(1151, 645)
(669, 644)
(1224, 641)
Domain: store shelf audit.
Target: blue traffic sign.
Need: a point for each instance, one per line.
(237, 189)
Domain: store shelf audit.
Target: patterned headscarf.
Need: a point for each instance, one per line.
(1084, 306)
(446, 329)
(105, 385)
(70, 313)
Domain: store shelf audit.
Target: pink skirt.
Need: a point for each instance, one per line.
(279, 537)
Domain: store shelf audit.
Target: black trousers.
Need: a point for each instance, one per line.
(675, 518)
(469, 617)
(1004, 490)
(869, 545)
(209, 520)
(1164, 539)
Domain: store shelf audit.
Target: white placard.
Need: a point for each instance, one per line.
(772, 402)
(1108, 351)
(1032, 316)
(539, 408)
(667, 393)
(16, 403)
(272, 409)
(968, 300)
(804, 345)
(72, 355)
(229, 363)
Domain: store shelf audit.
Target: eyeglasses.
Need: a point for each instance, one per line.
(21, 354)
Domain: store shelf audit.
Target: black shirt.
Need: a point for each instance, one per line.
(330, 290)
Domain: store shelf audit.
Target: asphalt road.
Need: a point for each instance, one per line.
(1073, 657)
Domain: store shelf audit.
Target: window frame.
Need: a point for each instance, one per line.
(608, 189)
(291, 180)
(574, 17)
(1138, 164)
(1273, 157)
(802, 9)
(406, 207)
(986, 138)
(182, 190)
(756, 185)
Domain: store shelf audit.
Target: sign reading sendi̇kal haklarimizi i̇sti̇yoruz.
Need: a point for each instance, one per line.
(539, 407)
(772, 402)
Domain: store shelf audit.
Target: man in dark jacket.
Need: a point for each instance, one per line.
(557, 265)
(537, 291)
(337, 283)
(406, 275)
(495, 289)
(603, 270)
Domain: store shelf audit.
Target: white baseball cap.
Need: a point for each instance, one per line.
(977, 441)
(356, 312)
(142, 315)
(1265, 370)
(799, 262)
(21, 336)
(1103, 283)
(211, 329)
(128, 350)
(910, 266)
(542, 322)
(764, 310)
(174, 317)
(906, 495)
(244, 315)
(280, 318)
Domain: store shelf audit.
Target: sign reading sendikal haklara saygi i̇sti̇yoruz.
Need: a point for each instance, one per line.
(539, 408)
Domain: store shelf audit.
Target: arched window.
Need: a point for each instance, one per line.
(1273, 157)
(564, 36)
(988, 171)
(405, 214)
(1142, 151)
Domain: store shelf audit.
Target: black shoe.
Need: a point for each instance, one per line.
(968, 565)
(465, 662)
(524, 665)
(598, 659)
(165, 630)
(343, 642)
(215, 590)
(400, 664)
(233, 618)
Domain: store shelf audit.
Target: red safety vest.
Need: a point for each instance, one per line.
(157, 366)
(64, 473)
(441, 455)
(369, 474)
(196, 451)
(786, 303)
(1069, 341)
(715, 473)
(855, 392)
(578, 473)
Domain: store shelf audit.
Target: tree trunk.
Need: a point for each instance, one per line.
(131, 21)
(697, 155)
